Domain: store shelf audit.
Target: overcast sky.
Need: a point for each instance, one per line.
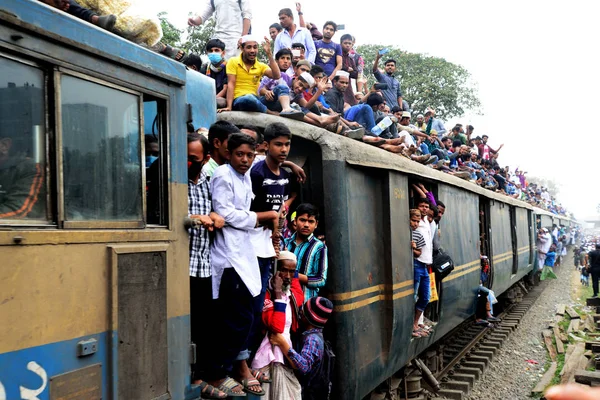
(534, 62)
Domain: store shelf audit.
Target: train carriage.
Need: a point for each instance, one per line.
(94, 298)
(364, 195)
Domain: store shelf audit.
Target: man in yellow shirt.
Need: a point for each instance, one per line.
(244, 74)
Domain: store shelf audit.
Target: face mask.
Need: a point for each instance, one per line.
(150, 160)
(194, 168)
(215, 58)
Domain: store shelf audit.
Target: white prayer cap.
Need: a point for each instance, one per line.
(307, 78)
(250, 38)
(342, 73)
(286, 255)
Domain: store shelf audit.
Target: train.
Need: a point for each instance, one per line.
(94, 293)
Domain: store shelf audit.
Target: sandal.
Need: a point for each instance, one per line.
(228, 385)
(261, 376)
(294, 114)
(248, 383)
(335, 127)
(173, 52)
(210, 392)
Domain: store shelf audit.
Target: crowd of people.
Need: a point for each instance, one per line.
(255, 271)
(586, 257)
(312, 78)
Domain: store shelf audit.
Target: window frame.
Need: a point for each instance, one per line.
(49, 221)
(61, 214)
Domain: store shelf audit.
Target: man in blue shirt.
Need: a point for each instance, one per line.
(294, 34)
(393, 93)
(329, 54)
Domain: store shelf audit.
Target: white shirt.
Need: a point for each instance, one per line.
(229, 15)
(544, 243)
(426, 256)
(231, 198)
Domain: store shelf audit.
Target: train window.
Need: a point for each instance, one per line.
(101, 159)
(155, 160)
(22, 143)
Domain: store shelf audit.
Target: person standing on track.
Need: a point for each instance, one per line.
(593, 262)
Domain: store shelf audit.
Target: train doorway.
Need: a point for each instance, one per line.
(485, 238)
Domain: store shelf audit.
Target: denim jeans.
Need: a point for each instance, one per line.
(363, 114)
(251, 102)
(422, 283)
(77, 11)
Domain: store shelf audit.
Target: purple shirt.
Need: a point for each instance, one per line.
(270, 84)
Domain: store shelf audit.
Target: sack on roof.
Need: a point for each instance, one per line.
(134, 22)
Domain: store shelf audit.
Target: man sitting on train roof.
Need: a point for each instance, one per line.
(72, 7)
(243, 78)
(214, 68)
(301, 82)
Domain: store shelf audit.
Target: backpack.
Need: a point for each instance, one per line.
(317, 385)
(442, 265)
(212, 4)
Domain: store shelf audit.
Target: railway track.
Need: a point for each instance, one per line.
(470, 349)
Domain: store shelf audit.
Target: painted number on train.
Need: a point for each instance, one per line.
(29, 393)
(399, 194)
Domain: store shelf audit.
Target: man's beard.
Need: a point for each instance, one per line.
(286, 288)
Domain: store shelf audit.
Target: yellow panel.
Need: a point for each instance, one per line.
(52, 293)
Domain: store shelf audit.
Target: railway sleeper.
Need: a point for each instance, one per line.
(470, 363)
(462, 370)
(452, 384)
(492, 343)
(464, 378)
(451, 394)
(490, 349)
(481, 357)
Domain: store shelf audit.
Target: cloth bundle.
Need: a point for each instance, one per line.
(133, 20)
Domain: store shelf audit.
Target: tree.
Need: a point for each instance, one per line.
(427, 81)
(198, 36)
(171, 35)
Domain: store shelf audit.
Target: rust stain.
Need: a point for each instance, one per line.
(370, 278)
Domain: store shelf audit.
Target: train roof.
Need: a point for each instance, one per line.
(336, 147)
(41, 19)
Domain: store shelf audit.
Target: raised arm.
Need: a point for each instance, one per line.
(300, 15)
(273, 71)
(246, 15)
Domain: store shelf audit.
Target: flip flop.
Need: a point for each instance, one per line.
(261, 376)
(208, 391)
(228, 385)
(295, 115)
(247, 383)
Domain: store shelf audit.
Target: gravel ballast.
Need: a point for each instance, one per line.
(519, 364)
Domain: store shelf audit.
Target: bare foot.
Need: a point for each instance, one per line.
(330, 119)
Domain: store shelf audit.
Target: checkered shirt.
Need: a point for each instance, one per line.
(199, 203)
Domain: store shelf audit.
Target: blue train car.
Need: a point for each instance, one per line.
(94, 299)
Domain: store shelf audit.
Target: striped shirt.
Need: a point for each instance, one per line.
(199, 203)
(312, 262)
(418, 239)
